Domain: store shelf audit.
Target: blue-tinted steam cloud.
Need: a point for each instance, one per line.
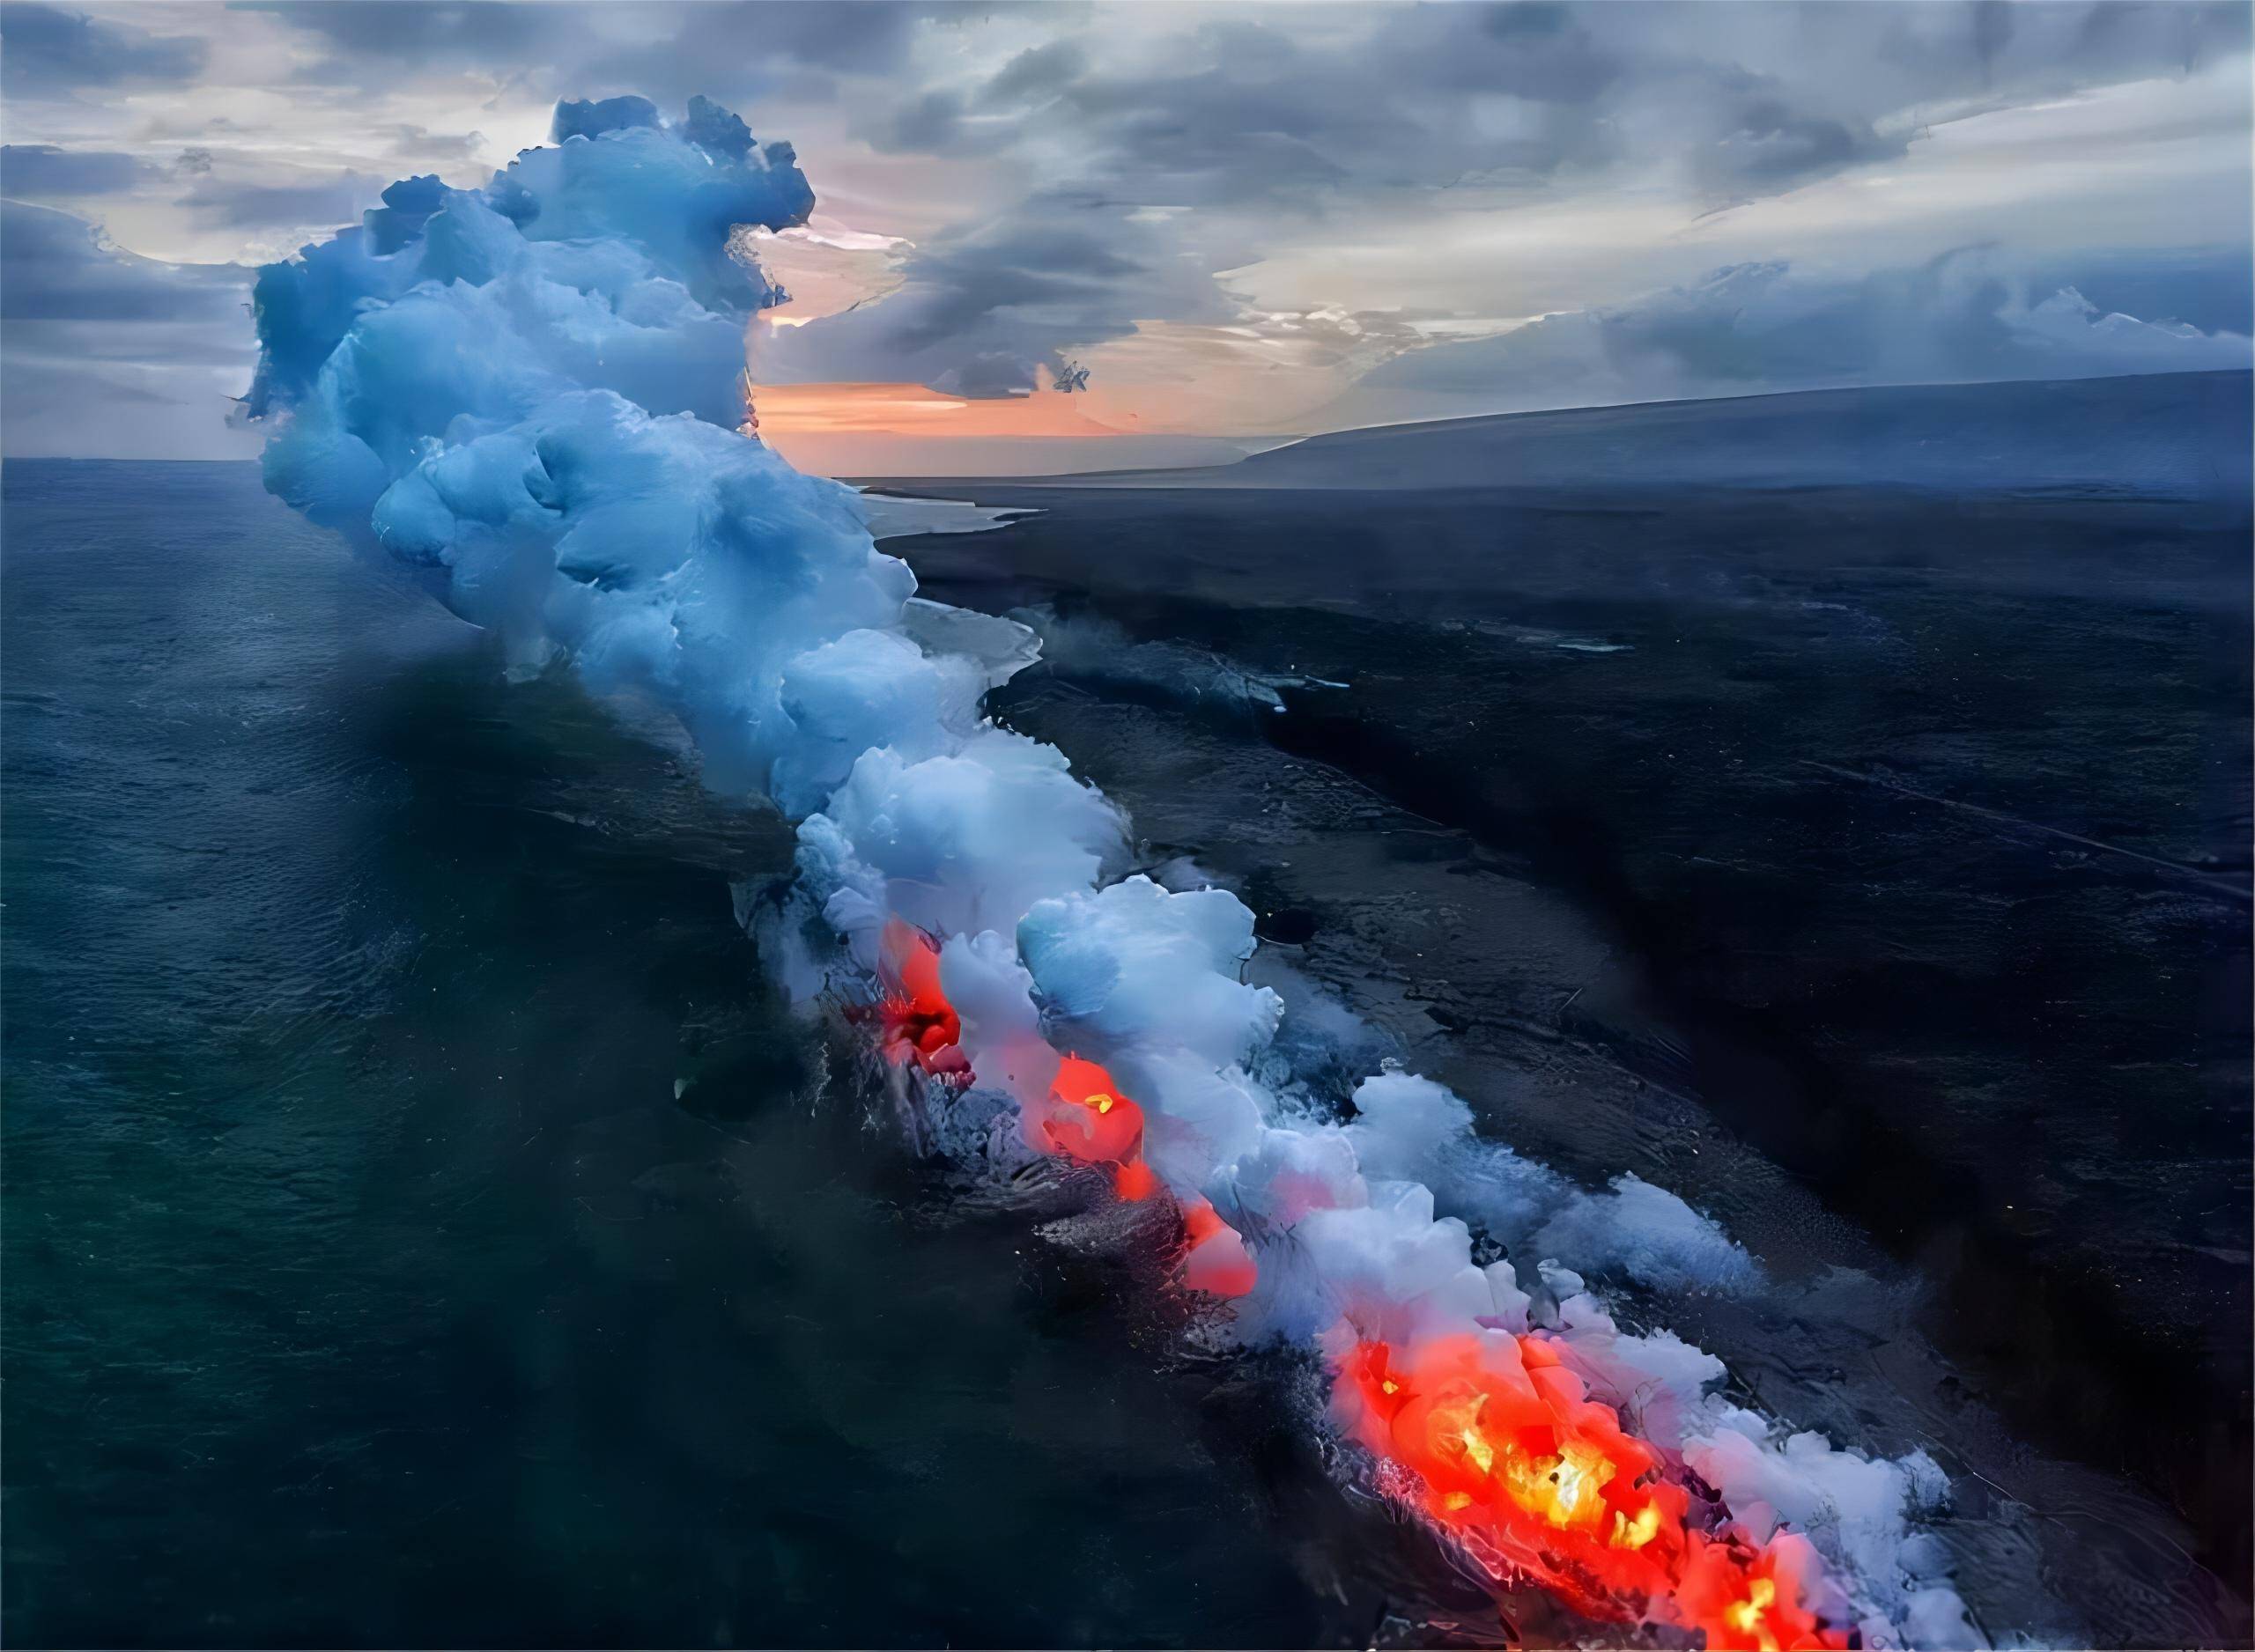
(530, 389)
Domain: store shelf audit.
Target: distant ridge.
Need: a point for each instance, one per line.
(2154, 436)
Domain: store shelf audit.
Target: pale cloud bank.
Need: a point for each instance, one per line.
(1242, 219)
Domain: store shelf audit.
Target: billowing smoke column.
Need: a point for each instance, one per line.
(531, 389)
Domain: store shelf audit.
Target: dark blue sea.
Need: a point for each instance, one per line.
(368, 1281)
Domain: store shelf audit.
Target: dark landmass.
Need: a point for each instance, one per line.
(2178, 435)
(1869, 863)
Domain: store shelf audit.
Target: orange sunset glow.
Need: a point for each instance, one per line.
(788, 412)
(876, 429)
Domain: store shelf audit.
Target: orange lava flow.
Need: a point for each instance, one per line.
(1090, 1122)
(917, 1024)
(1513, 1458)
(1087, 1118)
(1489, 1435)
(1093, 1121)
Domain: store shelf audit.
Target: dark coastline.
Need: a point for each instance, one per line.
(1912, 825)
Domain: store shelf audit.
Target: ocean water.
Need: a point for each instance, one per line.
(423, 1226)
(368, 1281)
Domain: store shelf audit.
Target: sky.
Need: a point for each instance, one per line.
(1064, 236)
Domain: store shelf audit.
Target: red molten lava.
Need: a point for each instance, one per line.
(1218, 1263)
(1490, 1435)
(1749, 1598)
(1513, 1458)
(1091, 1121)
(917, 1023)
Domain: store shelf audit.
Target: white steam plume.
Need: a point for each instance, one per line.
(532, 389)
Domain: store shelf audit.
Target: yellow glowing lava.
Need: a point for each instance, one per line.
(1745, 1617)
(1476, 1447)
(1634, 1534)
(1562, 1490)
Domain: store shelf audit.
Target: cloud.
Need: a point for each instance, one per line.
(52, 52)
(990, 312)
(1235, 132)
(1037, 72)
(1233, 110)
(1323, 109)
(297, 205)
(864, 38)
(1094, 181)
(371, 37)
(57, 267)
(42, 169)
(1159, 148)
(1967, 316)
(107, 353)
(421, 145)
(666, 51)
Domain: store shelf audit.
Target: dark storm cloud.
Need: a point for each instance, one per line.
(1237, 110)
(809, 50)
(696, 48)
(42, 169)
(2001, 40)
(1240, 112)
(1541, 52)
(864, 39)
(1037, 72)
(1246, 107)
(1761, 143)
(933, 124)
(362, 34)
(50, 51)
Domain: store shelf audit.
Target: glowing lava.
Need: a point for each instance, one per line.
(1091, 1121)
(917, 1024)
(1487, 1432)
(1506, 1452)
(1218, 1264)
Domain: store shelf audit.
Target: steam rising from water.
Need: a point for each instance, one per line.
(531, 389)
